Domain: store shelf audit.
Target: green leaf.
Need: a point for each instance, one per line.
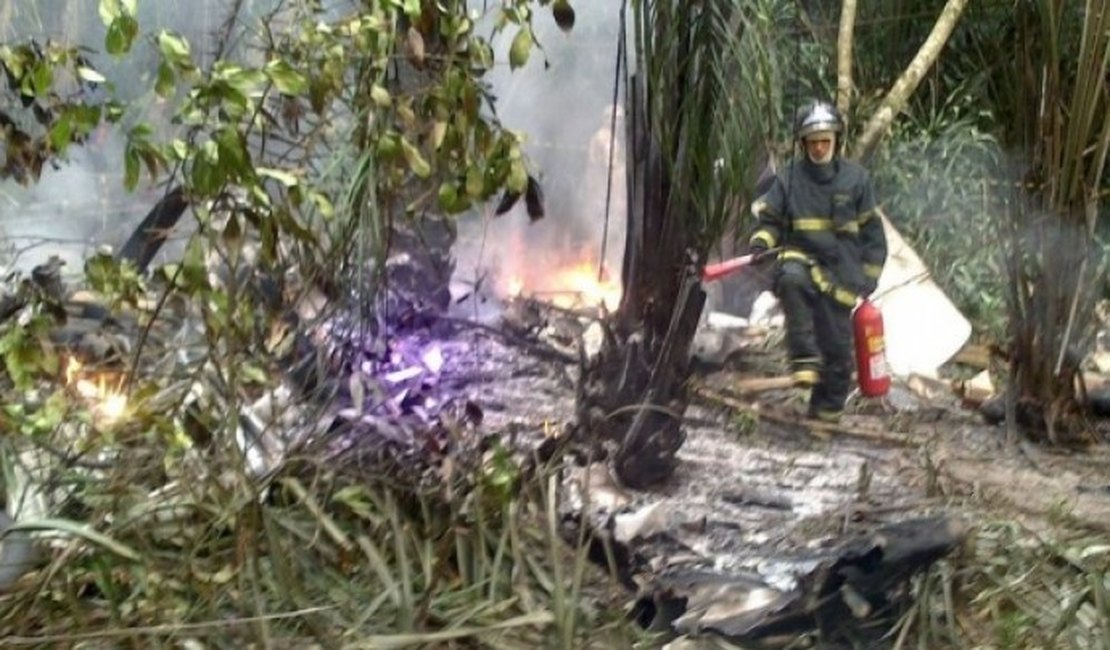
(448, 196)
(285, 178)
(42, 78)
(179, 149)
(164, 85)
(61, 133)
(287, 80)
(389, 145)
(205, 173)
(439, 132)
(481, 57)
(234, 159)
(131, 164)
(121, 35)
(175, 49)
(323, 204)
(521, 47)
(380, 96)
(518, 176)
(475, 184)
(109, 10)
(416, 161)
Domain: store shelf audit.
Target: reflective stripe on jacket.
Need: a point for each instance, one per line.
(827, 217)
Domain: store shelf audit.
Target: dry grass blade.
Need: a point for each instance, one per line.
(326, 522)
(154, 630)
(1015, 589)
(74, 529)
(383, 642)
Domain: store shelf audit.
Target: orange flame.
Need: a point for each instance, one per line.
(108, 404)
(572, 286)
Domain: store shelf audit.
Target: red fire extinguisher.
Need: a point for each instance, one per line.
(871, 368)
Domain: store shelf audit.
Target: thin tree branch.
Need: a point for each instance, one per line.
(844, 43)
(900, 93)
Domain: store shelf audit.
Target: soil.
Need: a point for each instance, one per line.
(761, 494)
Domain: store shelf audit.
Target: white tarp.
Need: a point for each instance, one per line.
(923, 328)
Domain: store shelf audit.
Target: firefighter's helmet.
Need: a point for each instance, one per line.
(816, 117)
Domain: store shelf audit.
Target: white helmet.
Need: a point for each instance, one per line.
(817, 117)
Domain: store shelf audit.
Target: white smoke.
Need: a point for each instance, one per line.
(80, 203)
(561, 100)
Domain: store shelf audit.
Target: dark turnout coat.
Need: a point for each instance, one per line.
(825, 216)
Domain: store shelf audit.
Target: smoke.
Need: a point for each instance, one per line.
(80, 203)
(561, 100)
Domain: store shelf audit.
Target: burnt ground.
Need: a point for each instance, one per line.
(762, 500)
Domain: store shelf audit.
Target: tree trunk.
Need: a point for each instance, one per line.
(633, 394)
(900, 93)
(844, 43)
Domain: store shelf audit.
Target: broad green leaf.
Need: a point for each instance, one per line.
(475, 185)
(109, 10)
(389, 146)
(448, 196)
(246, 81)
(380, 96)
(179, 148)
(43, 78)
(521, 47)
(518, 177)
(287, 80)
(285, 178)
(61, 133)
(164, 84)
(205, 171)
(405, 114)
(234, 160)
(481, 57)
(439, 131)
(174, 48)
(416, 161)
(121, 35)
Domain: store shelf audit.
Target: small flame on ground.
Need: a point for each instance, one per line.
(584, 286)
(566, 278)
(108, 404)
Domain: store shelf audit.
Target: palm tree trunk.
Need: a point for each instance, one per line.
(694, 109)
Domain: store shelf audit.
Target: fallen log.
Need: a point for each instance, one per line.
(816, 428)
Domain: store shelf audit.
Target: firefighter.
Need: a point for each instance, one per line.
(820, 214)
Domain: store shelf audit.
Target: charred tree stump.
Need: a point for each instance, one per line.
(156, 226)
(633, 393)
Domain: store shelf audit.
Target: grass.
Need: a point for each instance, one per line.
(319, 555)
(1013, 587)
